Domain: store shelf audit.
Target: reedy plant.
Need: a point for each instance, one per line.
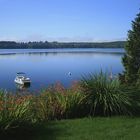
(104, 95)
(47, 106)
(59, 103)
(15, 111)
(73, 104)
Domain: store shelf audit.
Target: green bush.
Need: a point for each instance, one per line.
(134, 94)
(104, 95)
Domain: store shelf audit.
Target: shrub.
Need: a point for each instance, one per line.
(134, 93)
(104, 95)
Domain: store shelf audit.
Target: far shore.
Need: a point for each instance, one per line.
(55, 45)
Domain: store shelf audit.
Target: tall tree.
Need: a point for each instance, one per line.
(131, 59)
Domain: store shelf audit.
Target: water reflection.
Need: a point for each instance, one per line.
(69, 50)
(22, 87)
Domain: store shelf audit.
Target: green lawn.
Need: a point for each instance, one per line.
(116, 128)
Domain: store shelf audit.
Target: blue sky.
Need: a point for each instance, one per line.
(66, 20)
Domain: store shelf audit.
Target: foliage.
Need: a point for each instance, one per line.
(15, 111)
(56, 102)
(92, 96)
(104, 95)
(131, 59)
(134, 94)
(46, 44)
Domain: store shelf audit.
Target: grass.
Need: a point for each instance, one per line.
(100, 128)
(104, 95)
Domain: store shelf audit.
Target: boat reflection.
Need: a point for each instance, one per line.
(23, 87)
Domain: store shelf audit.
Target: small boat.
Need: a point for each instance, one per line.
(22, 79)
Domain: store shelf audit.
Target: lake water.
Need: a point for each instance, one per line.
(48, 66)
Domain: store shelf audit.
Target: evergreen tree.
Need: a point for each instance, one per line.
(131, 59)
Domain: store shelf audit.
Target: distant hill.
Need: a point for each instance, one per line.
(46, 44)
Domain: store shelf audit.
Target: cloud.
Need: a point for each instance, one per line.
(39, 37)
(33, 37)
(3, 38)
(71, 39)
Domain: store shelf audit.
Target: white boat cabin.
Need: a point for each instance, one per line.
(22, 79)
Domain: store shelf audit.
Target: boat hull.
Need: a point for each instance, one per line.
(22, 82)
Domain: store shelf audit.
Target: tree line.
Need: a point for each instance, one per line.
(46, 44)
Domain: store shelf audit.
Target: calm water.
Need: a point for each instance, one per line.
(49, 66)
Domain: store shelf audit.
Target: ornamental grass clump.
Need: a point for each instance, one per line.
(56, 102)
(15, 111)
(47, 107)
(73, 104)
(104, 96)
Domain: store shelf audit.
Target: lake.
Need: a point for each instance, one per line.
(48, 66)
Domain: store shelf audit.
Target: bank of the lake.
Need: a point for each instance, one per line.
(96, 95)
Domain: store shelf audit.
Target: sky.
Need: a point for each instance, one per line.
(66, 20)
